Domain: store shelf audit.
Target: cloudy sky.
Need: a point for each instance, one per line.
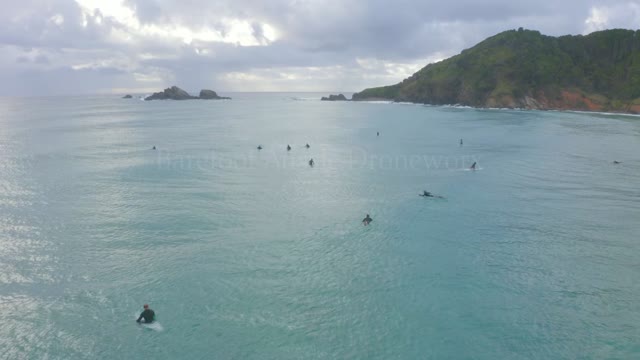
(53, 47)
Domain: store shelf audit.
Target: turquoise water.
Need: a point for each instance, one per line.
(248, 254)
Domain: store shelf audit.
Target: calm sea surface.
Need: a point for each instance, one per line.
(248, 254)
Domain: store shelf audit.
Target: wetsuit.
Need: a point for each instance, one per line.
(148, 316)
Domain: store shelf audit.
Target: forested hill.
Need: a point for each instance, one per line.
(525, 69)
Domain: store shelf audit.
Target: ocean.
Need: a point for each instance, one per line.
(254, 254)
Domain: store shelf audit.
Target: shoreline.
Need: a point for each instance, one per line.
(460, 106)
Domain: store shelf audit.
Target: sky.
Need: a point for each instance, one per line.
(56, 47)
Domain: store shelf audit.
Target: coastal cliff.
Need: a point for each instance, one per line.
(525, 69)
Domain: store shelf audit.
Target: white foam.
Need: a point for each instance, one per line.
(468, 169)
(155, 326)
(377, 102)
(407, 103)
(598, 113)
(458, 106)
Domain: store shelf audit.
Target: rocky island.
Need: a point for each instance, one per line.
(211, 95)
(525, 69)
(127, 96)
(338, 97)
(175, 93)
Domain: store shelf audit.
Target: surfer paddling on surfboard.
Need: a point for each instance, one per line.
(148, 315)
(367, 220)
(425, 193)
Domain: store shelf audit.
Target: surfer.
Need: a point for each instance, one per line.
(259, 147)
(288, 148)
(377, 133)
(153, 148)
(460, 142)
(367, 220)
(616, 162)
(311, 162)
(425, 193)
(473, 166)
(148, 315)
(307, 146)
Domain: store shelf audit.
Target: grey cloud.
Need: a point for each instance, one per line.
(41, 59)
(48, 40)
(147, 11)
(258, 32)
(62, 81)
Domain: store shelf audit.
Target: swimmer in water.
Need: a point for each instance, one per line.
(307, 146)
(311, 163)
(616, 162)
(148, 315)
(460, 142)
(259, 147)
(425, 193)
(288, 148)
(367, 220)
(473, 166)
(378, 133)
(153, 148)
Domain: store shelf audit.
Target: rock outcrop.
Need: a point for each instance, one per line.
(172, 93)
(127, 96)
(211, 95)
(338, 97)
(175, 93)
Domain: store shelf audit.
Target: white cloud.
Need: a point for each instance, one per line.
(598, 20)
(621, 15)
(234, 31)
(57, 19)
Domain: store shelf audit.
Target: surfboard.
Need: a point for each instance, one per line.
(155, 326)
